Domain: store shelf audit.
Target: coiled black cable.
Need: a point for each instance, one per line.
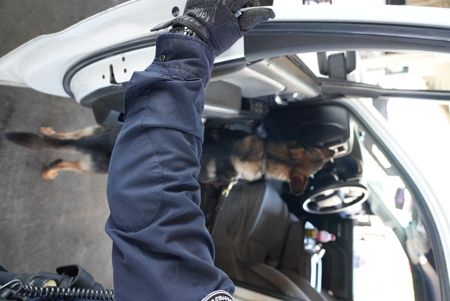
(21, 289)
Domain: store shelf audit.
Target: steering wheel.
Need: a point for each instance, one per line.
(336, 198)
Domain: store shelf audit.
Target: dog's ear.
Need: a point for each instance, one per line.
(249, 148)
(298, 181)
(327, 153)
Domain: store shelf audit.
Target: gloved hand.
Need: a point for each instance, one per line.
(218, 23)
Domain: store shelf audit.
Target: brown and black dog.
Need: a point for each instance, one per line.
(227, 155)
(231, 154)
(95, 144)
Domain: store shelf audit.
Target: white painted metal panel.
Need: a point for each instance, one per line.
(97, 75)
(42, 63)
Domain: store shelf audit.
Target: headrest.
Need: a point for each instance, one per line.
(255, 221)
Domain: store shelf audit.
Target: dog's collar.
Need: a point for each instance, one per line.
(264, 159)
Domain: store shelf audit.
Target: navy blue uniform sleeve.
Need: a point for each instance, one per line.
(161, 247)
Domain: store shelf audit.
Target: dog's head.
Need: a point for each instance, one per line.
(306, 162)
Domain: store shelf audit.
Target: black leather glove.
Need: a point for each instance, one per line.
(220, 23)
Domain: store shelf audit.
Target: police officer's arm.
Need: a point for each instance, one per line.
(162, 250)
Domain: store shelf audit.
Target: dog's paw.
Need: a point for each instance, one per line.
(49, 175)
(47, 131)
(298, 181)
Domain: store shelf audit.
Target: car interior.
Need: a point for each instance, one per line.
(306, 247)
(262, 231)
(268, 239)
(259, 227)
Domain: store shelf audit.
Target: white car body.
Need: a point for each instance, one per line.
(42, 63)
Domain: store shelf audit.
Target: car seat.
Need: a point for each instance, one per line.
(259, 243)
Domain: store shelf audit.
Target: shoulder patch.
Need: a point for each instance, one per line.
(218, 296)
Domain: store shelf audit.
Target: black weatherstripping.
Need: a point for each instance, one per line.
(348, 88)
(299, 37)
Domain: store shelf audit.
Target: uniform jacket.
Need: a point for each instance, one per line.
(161, 248)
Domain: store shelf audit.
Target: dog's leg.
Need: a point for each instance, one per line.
(75, 135)
(50, 172)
